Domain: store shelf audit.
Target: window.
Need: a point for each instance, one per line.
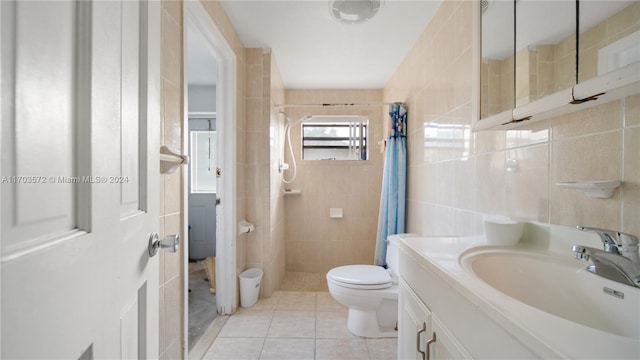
(335, 138)
(203, 166)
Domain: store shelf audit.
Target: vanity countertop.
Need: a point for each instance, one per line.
(547, 334)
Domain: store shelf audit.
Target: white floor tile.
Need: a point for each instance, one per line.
(383, 349)
(332, 325)
(297, 300)
(235, 348)
(340, 349)
(293, 324)
(284, 349)
(296, 325)
(247, 323)
(326, 302)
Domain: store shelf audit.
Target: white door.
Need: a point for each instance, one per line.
(80, 173)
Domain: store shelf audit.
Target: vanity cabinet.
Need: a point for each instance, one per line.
(420, 334)
(430, 308)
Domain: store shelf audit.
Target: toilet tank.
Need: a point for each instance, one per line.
(393, 254)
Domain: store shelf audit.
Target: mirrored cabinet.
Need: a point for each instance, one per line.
(609, 37)
(497, 65)
(540, 59)
(545, 50)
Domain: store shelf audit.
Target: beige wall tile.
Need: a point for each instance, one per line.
(596, 119)
(490, 172)
(172, 116)
(623, 21)
(173, 294)
(632, 111)
(173, 8)
(631, 182)
(171, 278)
(173, 192)
(595, 157)
(171, 50)
(527, 182)
(172, 261)
(254, 81)
(315, 243)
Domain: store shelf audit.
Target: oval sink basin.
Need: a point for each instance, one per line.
(558, 286)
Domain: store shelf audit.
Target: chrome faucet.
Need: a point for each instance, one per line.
(619, 260)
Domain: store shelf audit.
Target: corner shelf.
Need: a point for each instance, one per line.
(594, 189)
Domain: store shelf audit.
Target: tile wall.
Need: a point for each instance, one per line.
(314, 242)
(276, 257)
(505, 172)
(265, 246)
(171, 264)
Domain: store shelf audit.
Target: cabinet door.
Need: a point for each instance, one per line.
(413, 325)
(442, 343)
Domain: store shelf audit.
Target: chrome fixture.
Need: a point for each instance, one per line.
(168, 243)
(354, 11)
(619, 259)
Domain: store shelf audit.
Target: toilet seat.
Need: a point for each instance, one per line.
(365, 277)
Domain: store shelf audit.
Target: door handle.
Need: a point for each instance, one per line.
(169, 243)
(422, 353)
(429, 342)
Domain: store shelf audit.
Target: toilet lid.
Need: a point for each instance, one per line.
(375, 277)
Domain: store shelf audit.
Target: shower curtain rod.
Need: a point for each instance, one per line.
(333, 104)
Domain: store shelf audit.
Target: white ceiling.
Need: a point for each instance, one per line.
(202, 67)
(313, 51)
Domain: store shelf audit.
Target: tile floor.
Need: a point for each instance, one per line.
(202, 303)
(295, 325)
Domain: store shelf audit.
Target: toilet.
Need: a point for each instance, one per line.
(371, 294)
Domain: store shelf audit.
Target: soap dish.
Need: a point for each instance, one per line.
(594, 189)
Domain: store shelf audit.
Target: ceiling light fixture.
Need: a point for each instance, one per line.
(354, 11)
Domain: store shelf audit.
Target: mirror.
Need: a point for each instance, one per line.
(497, 66)
(545, 48)
(609, 37)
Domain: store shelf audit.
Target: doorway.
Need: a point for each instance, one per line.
(209, 185)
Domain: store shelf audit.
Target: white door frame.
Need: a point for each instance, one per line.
(196, 16)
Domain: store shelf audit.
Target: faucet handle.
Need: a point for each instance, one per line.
(612, 238)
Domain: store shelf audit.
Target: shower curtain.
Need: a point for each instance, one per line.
(394, 182)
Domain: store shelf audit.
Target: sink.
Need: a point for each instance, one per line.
(559, 286)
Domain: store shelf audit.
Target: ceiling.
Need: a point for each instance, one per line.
(314, 51)
(202, 67)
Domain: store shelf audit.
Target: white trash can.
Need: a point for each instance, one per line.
(250, 287)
